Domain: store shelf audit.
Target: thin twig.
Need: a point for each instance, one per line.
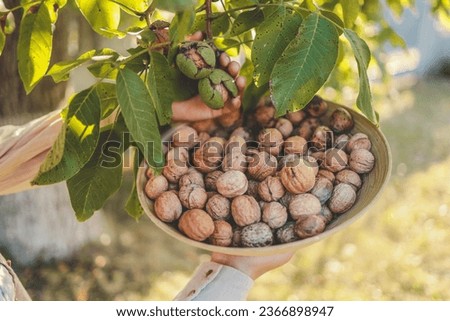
(208, 20)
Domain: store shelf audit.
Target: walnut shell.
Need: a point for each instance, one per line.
(285, 127)
(236, 239)
(218, 207)
(192, 177)
(211, 179)
(236, 144)
(341, 141)
(307, 127)
(173, 171)
(287, 159)
(203, 137)
(196, 224)
(296, 117)
(286, 233)
(295, 145)
(341, 121)
(326, 174)
(319, 156)
(261, 165)
(234, 161)
(349, 177)
(274, 214)
(155, 186)
(322, 138)
(304, 204)
(192, 196)
(270, 140)
(241, 132)
(342, 199)
(316, 107)
(298, 177)
(286, 199)
(271, 189)
(245, 210)
(252, 189)
(361, 161)
(232, 184)
(358, 141)
(178, 154)
(326, 214)
(265, 115)
(322, 189)
(335, 160)
(168, 207)
(309, 225)
(205, 162)
(185, 136)
(311, 162)
(222, 235)
(256, 235)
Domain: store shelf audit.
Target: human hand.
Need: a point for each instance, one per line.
(194, 109)
(253, 266)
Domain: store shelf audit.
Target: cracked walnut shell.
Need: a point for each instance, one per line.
(271, 189)
(245, 210)
(274, 214)
(192, 196)
(261, 165)
(298, 177)
(218, 207)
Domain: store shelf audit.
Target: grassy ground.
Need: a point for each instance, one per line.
(398, 251)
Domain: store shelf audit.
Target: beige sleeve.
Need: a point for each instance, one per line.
(22, 150)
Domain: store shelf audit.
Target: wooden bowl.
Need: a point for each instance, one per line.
(373, 185)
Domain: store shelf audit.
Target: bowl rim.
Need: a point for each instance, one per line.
(147, 205)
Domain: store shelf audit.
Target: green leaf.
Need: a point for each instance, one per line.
(102, 15)
(100, 177)
(350, 10)
(7, 23)
(184, 88)
(133, 206)
(305, 64)
(272, 36)
(108, 100)
(219, 23)
(174, 5)
(76, 142)
(242, 3)
(35, 46)
(252, 95)
(362, 56)
(246, 21)
(61, 70)
(104, 69)
(139, 114)
(2, 41)
(180, 26)
(140, 62)
(334, 18)
(133, 6)
(160, 86)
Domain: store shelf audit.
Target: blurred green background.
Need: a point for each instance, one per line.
(398, 251)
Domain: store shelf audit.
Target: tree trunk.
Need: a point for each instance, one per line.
(40, 223)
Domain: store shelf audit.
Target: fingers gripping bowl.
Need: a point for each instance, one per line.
(368, 190)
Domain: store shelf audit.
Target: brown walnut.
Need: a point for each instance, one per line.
(286, 199)
(270, 140)
(236, 144)
(245, 210)
(298, 176)
(335, 160)
(361, 161)
(211, 179)
(342, 199)
(304, 204)
(218, 207)
(155, 186)
(256, 235)
(203, 137)
(168, 207)
(311, 161)
(193, 196)
(326, 174)
(271, 189)
(341, 141)
(232, 183)
(196, 224)
(286, 233)
(261, 165)
(234, 161)
(285, 127)
(349, 177)
(326, 214)
(295, 145)
(341, 121)
(176, 164)
(265, 115)
(316, 107)
(307, 127)
(241, 132)
(185, 136)
(274, 214)
(358, 141)
(309, 225)
(322, 189)
(296, 117)
(322, 137)
(222, 235)
(192, 177)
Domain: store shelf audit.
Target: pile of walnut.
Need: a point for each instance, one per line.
(270, 182)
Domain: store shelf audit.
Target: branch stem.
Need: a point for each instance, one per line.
(208, 19)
